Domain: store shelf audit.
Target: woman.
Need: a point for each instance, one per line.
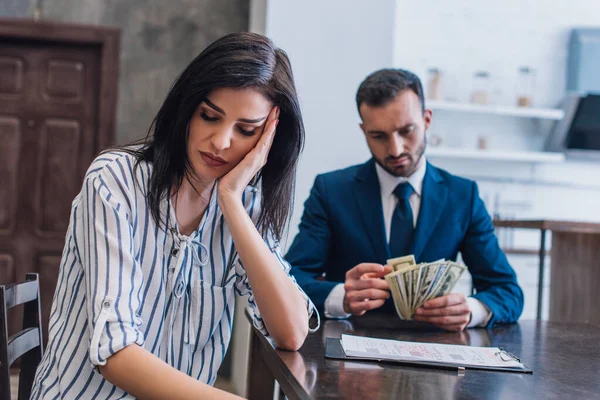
(162, 235)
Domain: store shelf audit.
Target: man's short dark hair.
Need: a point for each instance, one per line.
(384, 85)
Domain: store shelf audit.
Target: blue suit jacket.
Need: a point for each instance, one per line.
(343, 226)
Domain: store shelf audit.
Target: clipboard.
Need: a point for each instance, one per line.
(334, 350)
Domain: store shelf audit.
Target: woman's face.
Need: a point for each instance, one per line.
(224, 128)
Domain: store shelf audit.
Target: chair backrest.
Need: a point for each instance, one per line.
(26, 344)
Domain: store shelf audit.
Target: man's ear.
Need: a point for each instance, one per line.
(362, 127)
(427, 116)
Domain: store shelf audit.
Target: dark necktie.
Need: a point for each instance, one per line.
(401, 231)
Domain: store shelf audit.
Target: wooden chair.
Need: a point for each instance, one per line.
(26, 344)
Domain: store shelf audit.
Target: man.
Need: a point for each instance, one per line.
(397, 204)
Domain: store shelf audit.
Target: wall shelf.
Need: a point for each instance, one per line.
(495, 155)
(526, 112)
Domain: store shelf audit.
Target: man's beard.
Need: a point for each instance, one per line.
(411, 168)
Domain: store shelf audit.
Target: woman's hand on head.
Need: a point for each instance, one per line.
(235, 181)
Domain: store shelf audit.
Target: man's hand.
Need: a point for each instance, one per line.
(365, 290)
(450, 312)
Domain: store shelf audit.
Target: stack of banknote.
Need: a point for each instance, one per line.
(412, 284)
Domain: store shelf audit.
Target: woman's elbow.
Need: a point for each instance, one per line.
(294, 339)
(292, 342)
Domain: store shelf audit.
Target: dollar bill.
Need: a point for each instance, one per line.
(427, 281)
(401, 262)
(449, 280)
(438, 277)
(403, 281)
(412, 284)
(404, 259)
(415, 282)
(398, 295)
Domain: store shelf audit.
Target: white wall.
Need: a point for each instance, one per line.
(463, 36)
(333, 45)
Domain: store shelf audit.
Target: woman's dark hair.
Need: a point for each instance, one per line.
(384, 85)
(237, 60)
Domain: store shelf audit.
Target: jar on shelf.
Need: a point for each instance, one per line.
(482, 142)
(434, 84)
(525, 87)
(481, 88)
(434, 140)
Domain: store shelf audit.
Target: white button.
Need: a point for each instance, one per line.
(179, 289)
(106, 304)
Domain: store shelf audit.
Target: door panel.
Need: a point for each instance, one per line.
(49, 102)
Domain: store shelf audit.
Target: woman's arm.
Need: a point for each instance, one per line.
(145, 376)
(282, 306)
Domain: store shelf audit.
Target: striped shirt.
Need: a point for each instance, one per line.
(124, 279)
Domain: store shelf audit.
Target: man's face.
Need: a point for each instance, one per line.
(395, 133)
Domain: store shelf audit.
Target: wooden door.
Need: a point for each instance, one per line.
(50, 97)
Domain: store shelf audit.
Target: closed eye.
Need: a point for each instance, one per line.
(240, 129)
(207, 118)
(247, 133)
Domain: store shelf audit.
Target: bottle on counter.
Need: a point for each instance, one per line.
(434, 140)
(482, 142)
(434, 84)
(481, 89)
(525, 87)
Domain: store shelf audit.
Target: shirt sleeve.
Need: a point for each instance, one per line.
(112, 274)
(480, 315)
(334, 303)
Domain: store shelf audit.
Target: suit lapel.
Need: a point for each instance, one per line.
(433, 197)
(367, 193)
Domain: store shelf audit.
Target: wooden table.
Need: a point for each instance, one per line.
(575, 267)
(565, 359)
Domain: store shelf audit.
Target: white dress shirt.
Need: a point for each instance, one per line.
(334, 304)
